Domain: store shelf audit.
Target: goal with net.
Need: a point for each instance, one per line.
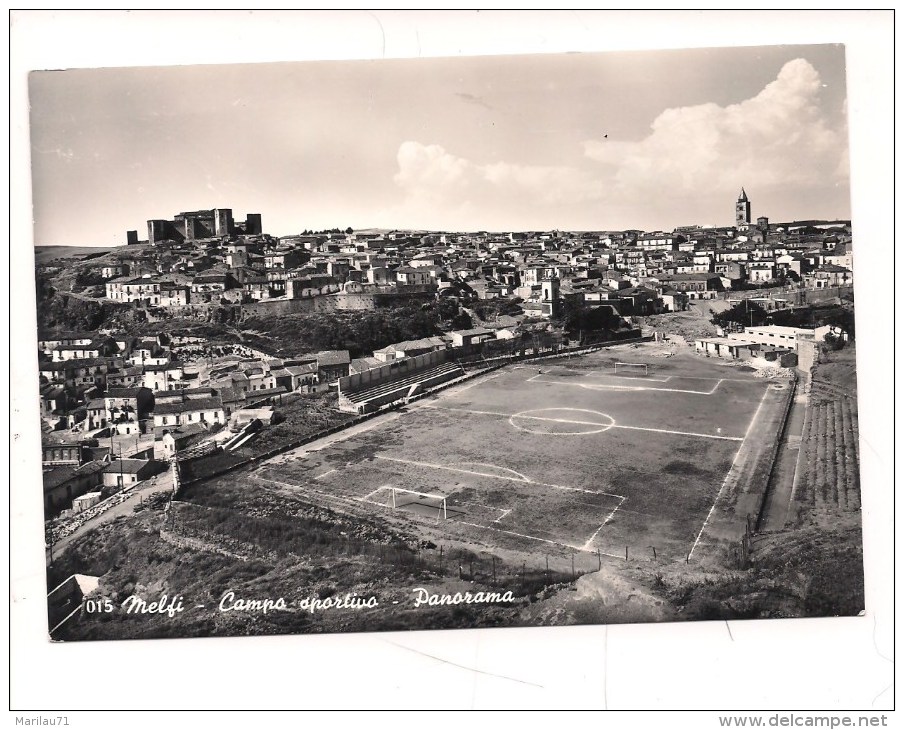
(631, 368)
(431, 505)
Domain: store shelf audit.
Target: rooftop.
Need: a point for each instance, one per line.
(125, 466)
(333, 357)
(188, 406)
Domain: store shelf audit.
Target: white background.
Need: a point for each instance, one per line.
(768, 666)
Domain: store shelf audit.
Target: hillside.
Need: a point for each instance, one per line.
(46, 254)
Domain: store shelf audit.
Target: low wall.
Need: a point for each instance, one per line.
(762, 490)
(348, 301)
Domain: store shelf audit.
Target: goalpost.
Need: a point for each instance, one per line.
(400, 497)
(633, 368)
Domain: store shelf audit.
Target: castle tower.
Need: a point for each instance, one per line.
(157, 230)
(253, 226)
(222, 221)
(742, 210)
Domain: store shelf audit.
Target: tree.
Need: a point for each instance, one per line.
(746, 314)
(349, 230)
(833, 341)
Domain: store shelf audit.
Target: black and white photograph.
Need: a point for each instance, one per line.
(452, 343)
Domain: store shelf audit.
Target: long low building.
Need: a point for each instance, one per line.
(727, 347)
(779, 336)
(733, 348)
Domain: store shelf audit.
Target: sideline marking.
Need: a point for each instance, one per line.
(681, 433)
(477, 381)
(731, 471)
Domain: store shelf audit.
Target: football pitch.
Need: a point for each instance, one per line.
(563, 456)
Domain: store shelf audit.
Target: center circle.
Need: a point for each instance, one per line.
(562, 421)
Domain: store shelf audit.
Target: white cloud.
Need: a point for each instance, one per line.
(438, 182)
(780, 137)
(778, 143)
(429, 168)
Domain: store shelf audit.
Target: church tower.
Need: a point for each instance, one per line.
(742, 210)
(550, 306)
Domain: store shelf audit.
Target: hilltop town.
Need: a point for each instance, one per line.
(481, 288)
(213, 347)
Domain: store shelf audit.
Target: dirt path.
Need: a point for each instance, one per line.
(161, 483)
(778, 498)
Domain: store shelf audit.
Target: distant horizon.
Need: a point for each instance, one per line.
(587, 141)
(462, 231)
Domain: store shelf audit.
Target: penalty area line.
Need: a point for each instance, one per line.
(410, 462)
(533, 537)
(636, 388)
(605, 522)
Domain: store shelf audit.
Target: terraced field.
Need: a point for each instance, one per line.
(829, 469)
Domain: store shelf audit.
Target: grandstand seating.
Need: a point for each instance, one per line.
(370, 398)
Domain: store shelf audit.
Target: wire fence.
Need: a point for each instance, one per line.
(241, 536)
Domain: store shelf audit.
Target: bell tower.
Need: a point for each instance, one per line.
(742, 210)
(549, 301)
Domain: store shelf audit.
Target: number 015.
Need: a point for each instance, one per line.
(98, 605)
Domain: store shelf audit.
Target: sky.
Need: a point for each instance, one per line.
(580, 141)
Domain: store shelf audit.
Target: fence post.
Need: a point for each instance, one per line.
(547, 571)
(494, 570)
(599, 560)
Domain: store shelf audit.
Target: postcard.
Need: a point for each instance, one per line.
(458, 343)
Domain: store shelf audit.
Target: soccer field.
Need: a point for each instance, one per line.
(566, 456)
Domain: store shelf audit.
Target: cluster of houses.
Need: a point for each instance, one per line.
(108, 383)
(91, 381)
(95, 387)
(636, 272)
